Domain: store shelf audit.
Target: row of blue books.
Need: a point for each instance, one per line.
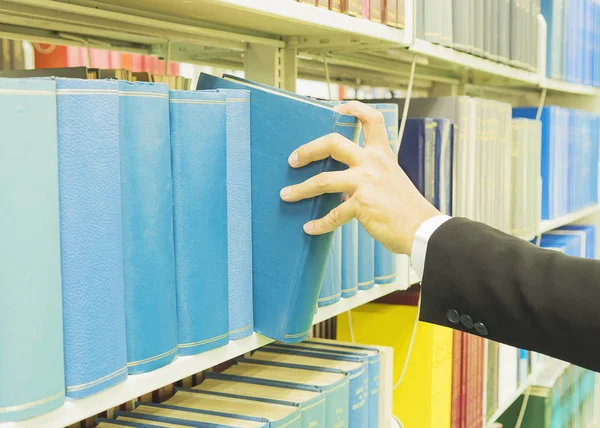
(569, 158)
(356, 261)
(573, 40)
(311, 384)
(141, 224)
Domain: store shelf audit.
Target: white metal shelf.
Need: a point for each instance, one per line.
(547, 225)
(569, 88)
(138, 385)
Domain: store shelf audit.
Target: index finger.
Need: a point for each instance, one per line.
(334, 145)
(371, 119)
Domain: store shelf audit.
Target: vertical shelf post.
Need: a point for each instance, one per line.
(264, 64)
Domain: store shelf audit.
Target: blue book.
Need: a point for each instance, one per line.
(285, 298)
(444, 147)
(385, 270)
(31, 354)
(91, 235)
(199, 159)
(587, 234)
(331, 287)
(571, 245)
(172, 416)
(417, 155)
(364, 352)
(312, 404)
(366, 250)
(147, 206)
(350, 258)
(278, 415)
(333, 383)
(239, 213)
(357, 368)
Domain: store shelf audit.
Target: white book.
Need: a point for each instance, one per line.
(508, 357)
(460, 24)
(446, 19)
(432, 20)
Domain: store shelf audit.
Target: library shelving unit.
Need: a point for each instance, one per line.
(276, 42)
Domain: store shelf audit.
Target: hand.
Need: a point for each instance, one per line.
(377, 192)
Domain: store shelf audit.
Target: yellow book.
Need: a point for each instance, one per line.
(423, 399)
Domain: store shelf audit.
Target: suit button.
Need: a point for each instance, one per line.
(466, 321)
(453, 316)
(481, 328)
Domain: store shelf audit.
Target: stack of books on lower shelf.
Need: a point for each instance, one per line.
(313, 383)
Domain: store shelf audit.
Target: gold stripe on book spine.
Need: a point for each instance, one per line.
(19, 407)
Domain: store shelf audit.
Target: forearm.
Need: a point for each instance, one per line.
(524, 296)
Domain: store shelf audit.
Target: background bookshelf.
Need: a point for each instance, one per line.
(286, 44)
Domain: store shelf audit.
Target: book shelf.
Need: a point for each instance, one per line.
(274, 41)
(138, 385)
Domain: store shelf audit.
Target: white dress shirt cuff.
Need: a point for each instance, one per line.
(419, 246)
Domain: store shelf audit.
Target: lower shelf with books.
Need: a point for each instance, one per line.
(138, 385)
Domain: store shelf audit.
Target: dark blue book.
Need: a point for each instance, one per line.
(417, 155)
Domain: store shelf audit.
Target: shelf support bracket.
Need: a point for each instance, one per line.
(265, 64)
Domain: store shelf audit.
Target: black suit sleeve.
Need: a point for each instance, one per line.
(485, 282)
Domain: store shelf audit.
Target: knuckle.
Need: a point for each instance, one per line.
(321, 180)
(376, 117)
(303, 152)
(333, 219)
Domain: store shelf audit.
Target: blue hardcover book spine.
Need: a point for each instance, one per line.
(199, 162)
(239, 213)
(366, 250)
(91, 235)
(385, 269)
(571, 244)
(336, 395)
(411, 156)
(331, 287)
(572, 183)
(147, 206)
(350, 258)
(358, 394)
(589, 237)
(31, 354)
(284, 299)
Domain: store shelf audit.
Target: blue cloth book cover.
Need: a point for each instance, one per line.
(239, 213)
(384, 261)
(284, 297)
(312, 404)
(366, 250)
(372, 354)
(331, 287)
(91, 235)
(31, 354)
(147, 206)
(350, 258)
(333, 383)
(199, 162)
(571, 245)
(357, 368)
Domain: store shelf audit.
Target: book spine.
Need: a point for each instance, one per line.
(323, 4)
(350, 258)
(147, 209)
(90, 195)
(335, 5)
(354, 7)
(331, 287)
(366, 251)
(198, 151)
(457, 339)
(239, 213)
(400, 15)
(432, 20)
(460, 24)
(376, 10)
(32, 367)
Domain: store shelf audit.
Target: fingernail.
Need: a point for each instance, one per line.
(309, 226)
(285, 192)
(293, 159)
